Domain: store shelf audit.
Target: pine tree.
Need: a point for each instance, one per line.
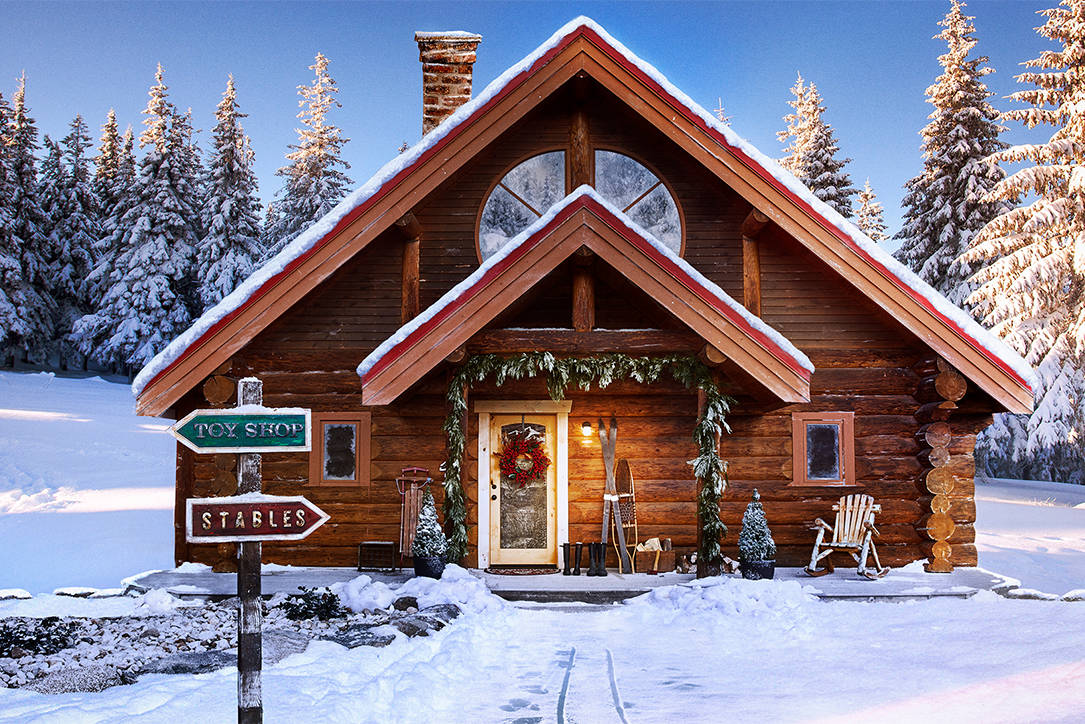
(721, 112)
(315, 181)
(29, 230)
(755, 539)
(796, 134)
(107, 164)
(812, 150)
(13, 287)
(1031, 261)
(429, 539)
(945, 204)
(51, 183)
(76, 233)
(231, 216)
(869, 215)
(150, 280)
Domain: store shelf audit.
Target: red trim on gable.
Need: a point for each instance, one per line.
(377, 195)
(586, 202)
(758, 169)
(685, 111)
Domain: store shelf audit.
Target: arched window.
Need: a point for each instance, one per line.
(533, 186)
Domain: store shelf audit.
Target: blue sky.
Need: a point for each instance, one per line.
(871, 60)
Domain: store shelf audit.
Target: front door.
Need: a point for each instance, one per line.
(523, 507)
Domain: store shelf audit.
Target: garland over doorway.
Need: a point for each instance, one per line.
(582, 373)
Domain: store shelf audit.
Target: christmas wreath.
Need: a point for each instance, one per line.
(523, 457)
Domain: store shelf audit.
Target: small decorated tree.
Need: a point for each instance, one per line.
(756, 549)
(430, 544)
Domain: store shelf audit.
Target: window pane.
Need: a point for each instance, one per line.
(503, 217)
(658, 215)
(540, 180)
(340, 451)
(823, 452)
(619, 179)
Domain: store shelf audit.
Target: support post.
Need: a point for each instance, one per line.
(411, 229)
(751, 261)
(250, 707)
(583, 292)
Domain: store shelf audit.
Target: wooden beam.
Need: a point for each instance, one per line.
(751, 275)
(581, 156)
(583, 292)
(642, 341)
(711, 356)
(457, 355)
(752, 226)
(411, 229)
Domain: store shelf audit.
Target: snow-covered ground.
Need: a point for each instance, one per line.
(86, 486)
(763, 651)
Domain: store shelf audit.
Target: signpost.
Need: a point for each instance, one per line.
(249, 517)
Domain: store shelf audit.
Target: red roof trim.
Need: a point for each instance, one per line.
(757, 168)
(377, 195)
(683, 109)
(586, 202)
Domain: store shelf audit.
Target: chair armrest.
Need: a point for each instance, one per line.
(870, 526)
(819, 523)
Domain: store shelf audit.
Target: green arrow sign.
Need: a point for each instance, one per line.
(233, 431)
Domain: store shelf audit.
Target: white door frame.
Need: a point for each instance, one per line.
(561, 465)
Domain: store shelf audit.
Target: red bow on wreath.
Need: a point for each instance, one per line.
(523, 457)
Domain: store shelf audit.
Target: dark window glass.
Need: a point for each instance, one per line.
(823, 451)
(340, 454)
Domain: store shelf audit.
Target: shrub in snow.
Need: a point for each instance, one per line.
(312, 603)
(34, 636)
(429, 539)
(755, 541)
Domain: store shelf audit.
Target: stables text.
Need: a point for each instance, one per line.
(249, 517)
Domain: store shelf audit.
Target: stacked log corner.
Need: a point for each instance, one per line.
(944, 475)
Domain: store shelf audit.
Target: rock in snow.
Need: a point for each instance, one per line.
(193, 662)
(95, 677)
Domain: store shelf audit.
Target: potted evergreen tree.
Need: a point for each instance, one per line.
(756, 549)
(430, 544)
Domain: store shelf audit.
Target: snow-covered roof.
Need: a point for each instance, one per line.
(389, 176)
(414, 331)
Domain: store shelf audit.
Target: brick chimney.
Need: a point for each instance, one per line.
(446, 73)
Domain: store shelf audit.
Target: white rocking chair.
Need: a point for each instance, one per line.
(853, 532)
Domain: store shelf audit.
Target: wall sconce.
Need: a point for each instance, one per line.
(585, 429)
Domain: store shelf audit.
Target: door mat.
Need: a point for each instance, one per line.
(521, 571)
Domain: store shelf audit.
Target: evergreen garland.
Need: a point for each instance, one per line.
(581, 373)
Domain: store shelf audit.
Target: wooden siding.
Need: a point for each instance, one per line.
(863, 363)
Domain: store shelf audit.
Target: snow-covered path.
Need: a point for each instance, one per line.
(740, 651)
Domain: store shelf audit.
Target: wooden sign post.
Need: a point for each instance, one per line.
(250, 517)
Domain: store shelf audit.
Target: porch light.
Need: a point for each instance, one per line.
(585, 429)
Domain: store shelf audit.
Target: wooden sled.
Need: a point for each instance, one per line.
(852, 532)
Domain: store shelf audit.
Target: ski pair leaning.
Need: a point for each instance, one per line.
(573, 553)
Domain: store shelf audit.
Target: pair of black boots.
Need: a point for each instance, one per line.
(597, 553)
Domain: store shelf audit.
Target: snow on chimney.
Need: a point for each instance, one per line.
(446, 58)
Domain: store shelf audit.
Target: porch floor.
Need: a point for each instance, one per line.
(900, 584)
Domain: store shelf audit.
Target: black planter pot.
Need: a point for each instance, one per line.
(756, 570)
(429, 566)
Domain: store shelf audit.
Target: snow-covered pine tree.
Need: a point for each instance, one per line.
(231, 216)
(150, 281)
(114, 180)
(429, 539)
(12, 283)
(76, 233)
(755, 539)
(315, 181)
(51, 188)
(945, 205)
(721, 112)
(869, 216)
(29, 230)
(796, 134)
(811, 153)
(1031, 261)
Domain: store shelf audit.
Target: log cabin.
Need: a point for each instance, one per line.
(578, 243)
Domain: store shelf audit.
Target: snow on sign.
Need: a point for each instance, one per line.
(247, 429)
(251, 517)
